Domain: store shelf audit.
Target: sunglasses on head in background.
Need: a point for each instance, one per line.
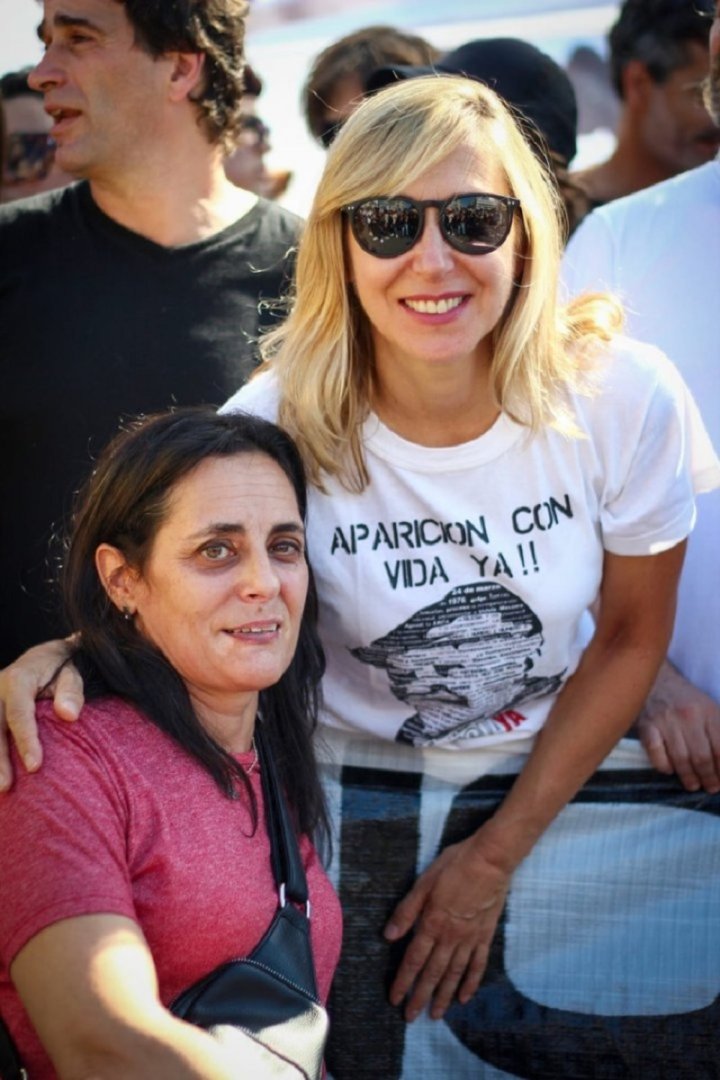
(255, 126)
(475, 224)
(28, 156)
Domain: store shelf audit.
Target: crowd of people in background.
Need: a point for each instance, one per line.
(495, 372)
(647, 90)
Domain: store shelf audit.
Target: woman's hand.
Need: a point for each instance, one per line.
(680, 730)
(20, 684)
(454, 906)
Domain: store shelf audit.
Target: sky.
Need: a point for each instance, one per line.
(18, 42)
(281, 53)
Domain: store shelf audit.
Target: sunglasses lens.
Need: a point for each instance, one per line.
(386, 227)
(477, 224)
(29, 156)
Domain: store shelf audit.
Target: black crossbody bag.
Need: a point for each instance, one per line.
(269, 996)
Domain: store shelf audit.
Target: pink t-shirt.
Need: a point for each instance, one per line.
(121, 820)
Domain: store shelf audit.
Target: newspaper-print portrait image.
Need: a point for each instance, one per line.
(462, 662)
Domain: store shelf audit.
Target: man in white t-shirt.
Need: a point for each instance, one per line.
(659, 250)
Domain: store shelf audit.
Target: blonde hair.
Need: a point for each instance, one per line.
(323, 353)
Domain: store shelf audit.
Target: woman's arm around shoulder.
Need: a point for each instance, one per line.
(21, 684)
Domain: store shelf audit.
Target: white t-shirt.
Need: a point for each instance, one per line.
(454, 588)
(659, 251)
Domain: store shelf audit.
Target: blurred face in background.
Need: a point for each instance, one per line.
(245, 166)
(29, 165)
(676, 123)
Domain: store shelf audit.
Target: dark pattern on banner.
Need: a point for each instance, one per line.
(504, 1030)
(367, 1037)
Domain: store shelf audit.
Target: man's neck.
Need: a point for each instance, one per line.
(173, 210)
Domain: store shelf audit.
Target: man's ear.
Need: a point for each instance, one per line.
(187, 75)
(118, 578)
(637, 82)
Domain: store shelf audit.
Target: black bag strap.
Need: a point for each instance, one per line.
(287, 863)
(10, 1064)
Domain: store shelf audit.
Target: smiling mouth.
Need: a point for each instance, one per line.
(435, 307)
(254, 630)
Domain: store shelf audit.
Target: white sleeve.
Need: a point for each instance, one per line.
(260, 396)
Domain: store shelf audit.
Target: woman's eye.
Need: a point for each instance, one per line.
(217, 552)
(288, 547)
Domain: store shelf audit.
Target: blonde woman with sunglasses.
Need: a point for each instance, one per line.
(486, 467)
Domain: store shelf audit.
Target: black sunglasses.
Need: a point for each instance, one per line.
(388, 226)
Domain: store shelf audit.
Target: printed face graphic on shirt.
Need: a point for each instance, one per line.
(463, 664)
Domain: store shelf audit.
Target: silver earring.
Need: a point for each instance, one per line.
(127, 614)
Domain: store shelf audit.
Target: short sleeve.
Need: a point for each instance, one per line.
(259, 397)
(62, 839)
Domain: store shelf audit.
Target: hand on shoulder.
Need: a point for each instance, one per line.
(39, 671)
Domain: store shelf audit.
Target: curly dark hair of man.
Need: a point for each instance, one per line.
(213, 27)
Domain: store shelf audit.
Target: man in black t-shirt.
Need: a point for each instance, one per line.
(145, 285)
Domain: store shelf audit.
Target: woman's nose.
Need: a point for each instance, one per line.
(258, 578)
(432, 253)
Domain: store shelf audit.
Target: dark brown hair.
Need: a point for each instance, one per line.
(358, 53)
(658, 33)
(215, 28)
